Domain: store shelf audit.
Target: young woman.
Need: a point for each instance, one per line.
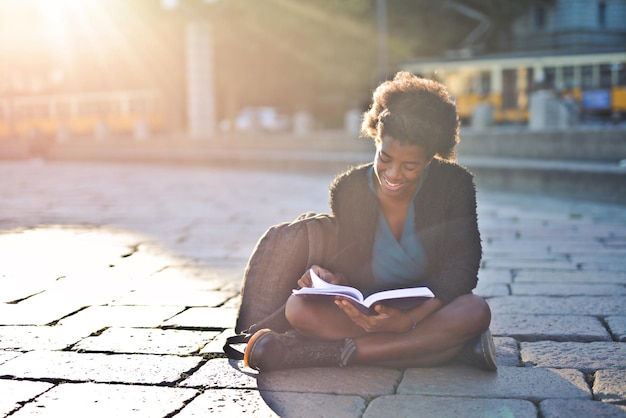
(407, 219)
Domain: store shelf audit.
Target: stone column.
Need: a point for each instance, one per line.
(201, 119)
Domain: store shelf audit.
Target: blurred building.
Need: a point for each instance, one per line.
(90, 68)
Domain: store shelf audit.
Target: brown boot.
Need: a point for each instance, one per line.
(480, 352)
(268, 350)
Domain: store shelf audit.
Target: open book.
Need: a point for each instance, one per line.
(397, 298)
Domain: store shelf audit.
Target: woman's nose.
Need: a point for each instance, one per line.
(393, 171)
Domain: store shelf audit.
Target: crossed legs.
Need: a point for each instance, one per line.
(435, 340)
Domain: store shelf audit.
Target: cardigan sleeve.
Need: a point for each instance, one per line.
(454, 247)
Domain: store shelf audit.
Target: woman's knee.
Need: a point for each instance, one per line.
(298, 312)
(473, 311)
(478, 309)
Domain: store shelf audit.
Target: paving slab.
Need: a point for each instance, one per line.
(517, 264)
(529, 383)
(8, 355)
(99, 317)
(14, 393)
(549, 327)
(587, 357)
(617, 326)
(610, 386)
(228, 403)
(202, 318)
(362, 381)
(573, 305)
(409, 406)
(215, 346)
(569, 289)
(94, 399)
(136, 368)
(567, 408)
(28, 314)
(491, 290)
(486, 276)
(242, 402)
(223, 374)
(146, 341)
(570, 277)
(173, 295)
(289, 404)
(26, 338)
(602, 266)
(507, 351)
(208, 277)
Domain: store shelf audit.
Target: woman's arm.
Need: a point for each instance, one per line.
(451, 236)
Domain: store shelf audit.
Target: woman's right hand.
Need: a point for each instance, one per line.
(326, 275)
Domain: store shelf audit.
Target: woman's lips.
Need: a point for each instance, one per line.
(391, 185)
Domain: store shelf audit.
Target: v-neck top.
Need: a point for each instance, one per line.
(397, 264)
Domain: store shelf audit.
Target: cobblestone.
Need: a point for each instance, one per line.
(534, 384)
(584, 356)
(549, 327)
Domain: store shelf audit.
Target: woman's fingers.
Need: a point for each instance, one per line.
(305, 280)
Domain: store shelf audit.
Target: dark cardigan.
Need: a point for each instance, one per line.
(445, 219)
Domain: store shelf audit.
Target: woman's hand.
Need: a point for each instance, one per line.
(326, 275)
(387, 320)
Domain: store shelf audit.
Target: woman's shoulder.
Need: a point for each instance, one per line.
(356, 174)
(444, 170)
(348, 186)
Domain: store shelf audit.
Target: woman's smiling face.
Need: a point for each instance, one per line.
(398, 168)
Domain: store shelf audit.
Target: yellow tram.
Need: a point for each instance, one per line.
(595, 81)
(81, 114)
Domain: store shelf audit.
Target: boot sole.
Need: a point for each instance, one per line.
(489, 351)
(247, 355)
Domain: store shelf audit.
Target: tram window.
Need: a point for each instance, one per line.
(586, 75)
(509, 89)
(621, 74)
(605, 76)
(484, 88)
(549, 77)
(568, 78)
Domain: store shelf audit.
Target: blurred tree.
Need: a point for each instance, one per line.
(321, 55)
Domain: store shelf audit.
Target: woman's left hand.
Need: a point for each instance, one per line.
(387, 319)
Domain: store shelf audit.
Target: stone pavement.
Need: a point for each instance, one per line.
(119, 283)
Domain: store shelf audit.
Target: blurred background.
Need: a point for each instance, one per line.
(197, 68)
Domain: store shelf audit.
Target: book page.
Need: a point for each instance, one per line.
(320, 287)
(408, 293)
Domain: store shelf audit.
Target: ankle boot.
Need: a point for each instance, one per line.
(480, 352)
(268, 350)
